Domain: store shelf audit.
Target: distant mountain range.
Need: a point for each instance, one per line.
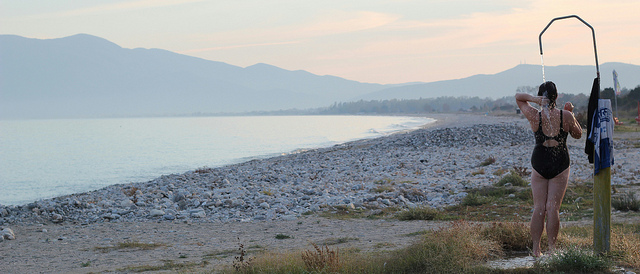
(87, 76)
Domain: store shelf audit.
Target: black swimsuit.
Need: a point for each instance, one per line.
(550, 161)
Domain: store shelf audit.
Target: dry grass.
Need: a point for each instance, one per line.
(462, 247)
(488, 161)
(510, 235)
(321, 259)
(454, 249)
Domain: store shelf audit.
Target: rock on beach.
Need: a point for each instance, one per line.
(7, 234)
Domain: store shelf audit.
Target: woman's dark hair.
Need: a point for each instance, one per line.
(548, 89)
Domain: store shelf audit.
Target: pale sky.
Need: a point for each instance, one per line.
(376, 41)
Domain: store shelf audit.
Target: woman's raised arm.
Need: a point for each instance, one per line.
(523, 99)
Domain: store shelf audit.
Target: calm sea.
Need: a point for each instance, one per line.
(47, 158)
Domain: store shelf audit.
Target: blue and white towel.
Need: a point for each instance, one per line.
(602, 135)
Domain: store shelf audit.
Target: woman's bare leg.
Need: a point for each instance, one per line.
(539, 188)
(556, 189)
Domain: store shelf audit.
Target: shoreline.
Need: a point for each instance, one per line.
(51, 184)
(204, 190)
(250, 203)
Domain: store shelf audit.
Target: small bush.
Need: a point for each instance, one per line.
(626, 203)
(521, 171)
(478, 172)
(474, 199)
(488, 161)
(512, 178)
(282, 236)
(323, 259)
(240, 263)
(574, 260)
(419, 213)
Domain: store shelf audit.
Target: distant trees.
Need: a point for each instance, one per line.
(394, 106)
(626, 103)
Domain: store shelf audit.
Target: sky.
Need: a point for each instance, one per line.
(374, 41)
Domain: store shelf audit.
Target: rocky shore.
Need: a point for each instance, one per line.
(425, 167)
(208, 211)
(432, 166)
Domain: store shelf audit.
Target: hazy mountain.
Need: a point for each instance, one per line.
(87, 76)
(569, 79)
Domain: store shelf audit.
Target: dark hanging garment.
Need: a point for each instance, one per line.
(593, 106)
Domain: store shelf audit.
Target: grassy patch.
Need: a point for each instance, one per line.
(510, 236)
(167, 265)
(417, 233)
(454, 249)
(336, 241)
(512, 179)
(574, 260)
(131, 245)
(419, 213)
(626, 202)
(488, 161)
(627, 128)
(282, 236)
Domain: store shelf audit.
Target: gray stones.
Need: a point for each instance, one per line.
(155, 213)
(7, 234)
(56, 218)
(422, 167)
(198, 213)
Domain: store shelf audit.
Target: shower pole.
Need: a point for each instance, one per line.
(601, 180)
(593, 33)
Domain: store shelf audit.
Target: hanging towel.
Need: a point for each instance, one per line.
(602, 136)
(593, 105)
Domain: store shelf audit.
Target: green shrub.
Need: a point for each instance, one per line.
(626, 203)
(574, 260)
(473, 199)
(512, 178)
(282, 236)
(419, 213)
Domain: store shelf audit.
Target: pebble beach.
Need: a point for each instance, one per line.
(213, 208)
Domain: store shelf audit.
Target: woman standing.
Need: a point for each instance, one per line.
(550, 159)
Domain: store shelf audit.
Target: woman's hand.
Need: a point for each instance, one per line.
(568, 106)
